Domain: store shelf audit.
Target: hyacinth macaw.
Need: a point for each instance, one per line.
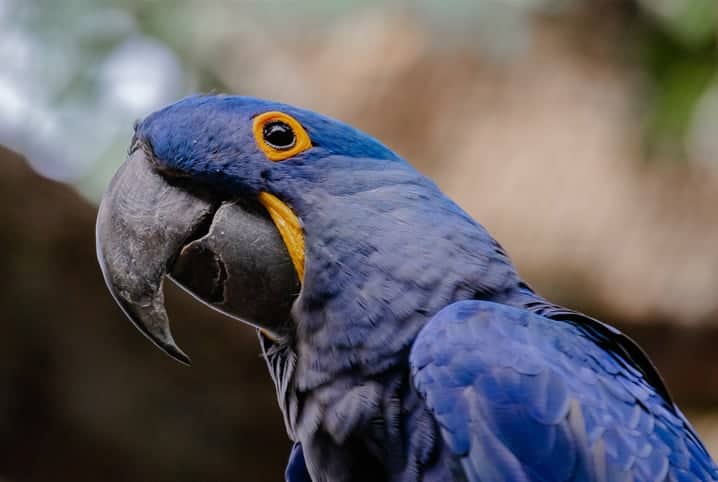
(402, 342)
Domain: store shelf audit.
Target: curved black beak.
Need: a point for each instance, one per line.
(228, 254)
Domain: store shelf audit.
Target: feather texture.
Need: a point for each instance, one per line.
(521, 397)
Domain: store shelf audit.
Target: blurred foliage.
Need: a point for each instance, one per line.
(680, 53)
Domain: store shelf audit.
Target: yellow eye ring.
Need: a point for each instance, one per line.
(279, 135)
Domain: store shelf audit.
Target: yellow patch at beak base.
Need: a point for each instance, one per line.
(289, 227)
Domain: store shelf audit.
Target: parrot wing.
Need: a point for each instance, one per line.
(520, 397)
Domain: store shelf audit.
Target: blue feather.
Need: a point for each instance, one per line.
(521, 425)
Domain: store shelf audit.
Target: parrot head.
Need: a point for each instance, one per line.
(290, 221)
(205, 198)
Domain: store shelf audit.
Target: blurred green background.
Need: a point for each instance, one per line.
(583, 134)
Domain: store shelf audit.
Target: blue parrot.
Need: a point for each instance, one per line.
(402, 342)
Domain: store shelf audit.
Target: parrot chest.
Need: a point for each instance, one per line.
(377, 430)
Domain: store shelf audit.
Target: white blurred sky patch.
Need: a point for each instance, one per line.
(66, 111)
(140, 74)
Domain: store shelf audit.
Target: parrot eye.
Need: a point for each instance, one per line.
(280, 136)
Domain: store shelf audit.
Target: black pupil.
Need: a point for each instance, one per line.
(279, 135)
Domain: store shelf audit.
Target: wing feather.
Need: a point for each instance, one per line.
(522, 397)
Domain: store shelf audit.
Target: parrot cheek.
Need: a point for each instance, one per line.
(289, 227)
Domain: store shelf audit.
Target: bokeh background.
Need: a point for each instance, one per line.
(583, 134)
